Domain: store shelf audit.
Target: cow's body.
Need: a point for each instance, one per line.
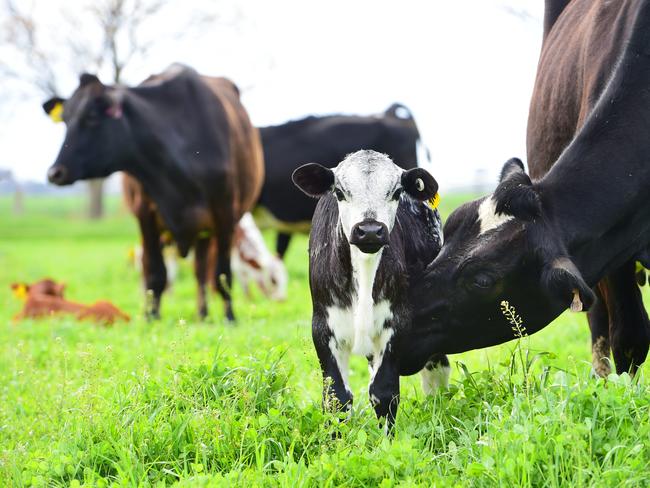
(194, 159)
(360, 297)
(579, 55)
(325, 140)
(537, 247)
(253, 263)
(45, 299)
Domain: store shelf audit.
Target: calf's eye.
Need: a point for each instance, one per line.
(340, 196)
(483, 281)
(397, 194)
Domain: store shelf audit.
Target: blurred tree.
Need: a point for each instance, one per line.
(40, 39)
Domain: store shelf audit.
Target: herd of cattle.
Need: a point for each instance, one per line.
(383, 282)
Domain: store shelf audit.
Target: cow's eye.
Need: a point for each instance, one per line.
(91, 119)
(397, 194)
(340, 196)
(483, 281)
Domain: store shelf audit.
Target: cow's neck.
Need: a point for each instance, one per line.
(597, 195)
(157, 168)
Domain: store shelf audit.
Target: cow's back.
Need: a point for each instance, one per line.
(578, 57)
(248, 162)
(327, 141)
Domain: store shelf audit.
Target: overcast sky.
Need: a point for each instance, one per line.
(465, 68)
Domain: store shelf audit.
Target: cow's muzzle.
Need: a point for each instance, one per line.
(369, 236)
(58, 175)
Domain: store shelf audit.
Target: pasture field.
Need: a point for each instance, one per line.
(205, 404)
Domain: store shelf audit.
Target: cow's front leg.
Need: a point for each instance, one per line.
(334, 362)
(153, 264)
(223, 272)
(201, 273)
(384, 388)
(435, 374)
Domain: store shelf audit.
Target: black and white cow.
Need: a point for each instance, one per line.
(326, 140)
(372, 233)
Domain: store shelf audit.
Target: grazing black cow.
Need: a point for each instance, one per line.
(194, 160)
(540, 246)
(586, 37)
(372, 233)
(325, 140)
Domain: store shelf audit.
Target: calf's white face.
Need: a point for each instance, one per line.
(368, 186)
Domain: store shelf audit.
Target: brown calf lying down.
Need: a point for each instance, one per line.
(45, 298)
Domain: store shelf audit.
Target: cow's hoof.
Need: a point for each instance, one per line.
(230, 316)
(203, 315)
(152, 315)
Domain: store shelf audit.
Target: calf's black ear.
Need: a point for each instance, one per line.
(564, 283)
(515, 194)
(511, 166)
(313, 179)
(419, 184)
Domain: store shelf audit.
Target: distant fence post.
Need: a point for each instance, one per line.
(19, 200)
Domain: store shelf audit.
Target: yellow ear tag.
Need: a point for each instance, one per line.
(433, 202)
(20, 292)
(639, 267)
(56, 114)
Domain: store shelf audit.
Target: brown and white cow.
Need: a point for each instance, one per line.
(193, 155)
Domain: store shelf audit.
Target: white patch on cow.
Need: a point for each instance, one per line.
(360, 328)
(435, 378)
(266, 220)
(368, 318)
(340, 322)
(488, 217)
(252, 262)
(368, 180)
(342, 357)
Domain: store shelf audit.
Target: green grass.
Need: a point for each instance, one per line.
(204, 404)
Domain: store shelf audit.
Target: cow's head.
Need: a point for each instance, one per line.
(45, 286)
(368, 186)
(501, 248)
(252, 262)
(97, 139)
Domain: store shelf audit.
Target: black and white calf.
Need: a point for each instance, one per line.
(372, 233)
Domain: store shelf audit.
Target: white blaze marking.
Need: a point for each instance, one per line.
(488, 217)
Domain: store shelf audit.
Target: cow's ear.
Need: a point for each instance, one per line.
(564, 283)
(54, 108)
(419, 184)
(515, 195)
(87, 79)
(20, 290)
(313, 179)
(511, 166)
